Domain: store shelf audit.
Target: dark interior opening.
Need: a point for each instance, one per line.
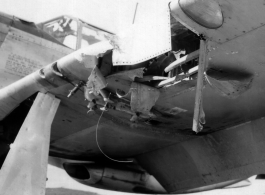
(77, 171)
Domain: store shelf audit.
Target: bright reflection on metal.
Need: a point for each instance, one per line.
(205, 12)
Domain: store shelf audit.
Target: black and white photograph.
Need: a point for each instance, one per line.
(132, 97)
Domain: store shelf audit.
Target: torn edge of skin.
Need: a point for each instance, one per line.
(88, 60)
(90, 54)
(114, 41)
(143, 98)
(96, 81)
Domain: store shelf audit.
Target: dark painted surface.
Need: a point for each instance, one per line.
(237, 152)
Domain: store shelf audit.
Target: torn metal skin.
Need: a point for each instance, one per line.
(96, 81)
(115, 42)
(94, 88)
(89, 55)
(143, 98)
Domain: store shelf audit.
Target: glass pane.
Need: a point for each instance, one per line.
(64, 29)
(92, 35)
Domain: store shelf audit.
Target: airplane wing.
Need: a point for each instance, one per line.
(134, 132)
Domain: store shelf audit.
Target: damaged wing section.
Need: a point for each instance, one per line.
(71, 69)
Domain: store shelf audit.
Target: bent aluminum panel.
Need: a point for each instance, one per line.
(148, 37)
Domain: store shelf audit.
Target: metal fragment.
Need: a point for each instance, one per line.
(143, 98)
(96, 81)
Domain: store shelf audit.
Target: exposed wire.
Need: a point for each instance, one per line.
(121, 161)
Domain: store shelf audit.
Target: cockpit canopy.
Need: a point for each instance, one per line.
(74, 33)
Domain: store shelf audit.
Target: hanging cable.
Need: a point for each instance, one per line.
(103, 110)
